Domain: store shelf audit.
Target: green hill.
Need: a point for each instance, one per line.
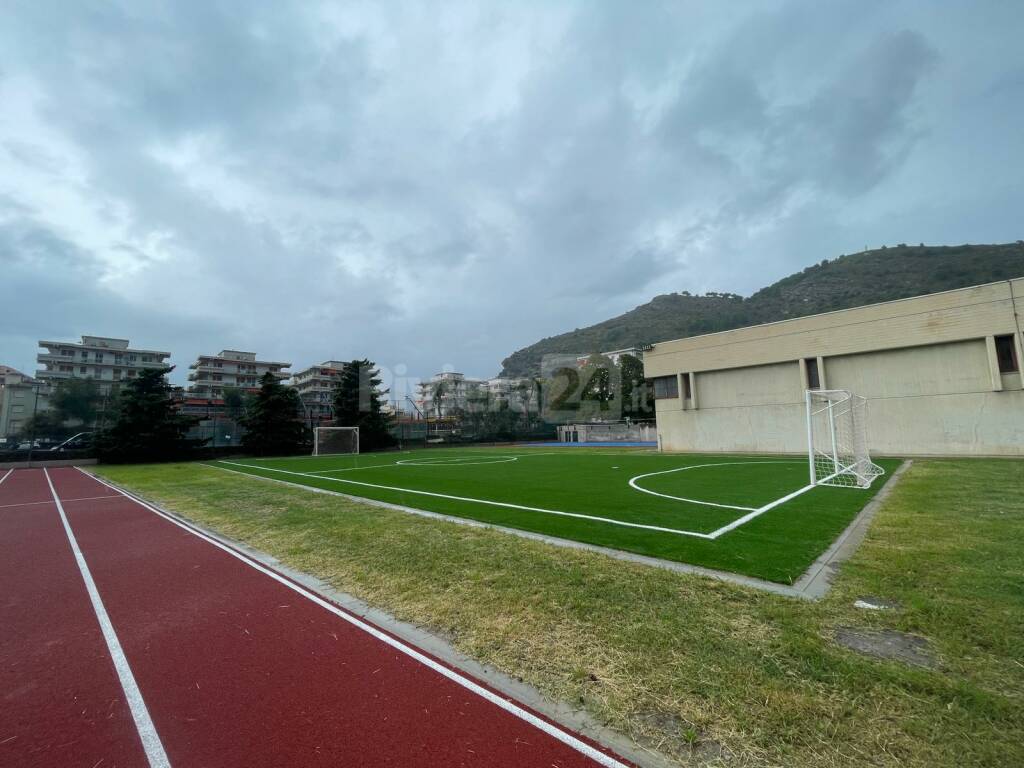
(848, 281)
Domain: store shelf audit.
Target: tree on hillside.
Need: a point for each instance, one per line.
(637, 397)
(147, 426)
(357, 403)
(273, 423)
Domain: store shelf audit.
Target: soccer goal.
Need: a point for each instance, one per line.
(328, 441)
(837, 439)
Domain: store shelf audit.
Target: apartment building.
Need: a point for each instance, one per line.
(316, 385)
(211, 374)
(449, 393)
(107, 360)
(942, 375)
(20, 398)
(446, 394)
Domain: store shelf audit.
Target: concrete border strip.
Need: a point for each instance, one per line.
(817, 579)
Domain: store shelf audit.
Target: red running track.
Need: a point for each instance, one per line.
(234, 664)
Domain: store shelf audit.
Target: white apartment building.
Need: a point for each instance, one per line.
(316, 385)
(18, 394)
(445, 394)
(108, 361)
(211, 374)
(448, 393)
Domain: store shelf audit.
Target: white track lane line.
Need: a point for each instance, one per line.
(503, 504)
(9, 471)
(511, 707)
(30, 503)
(143, 723)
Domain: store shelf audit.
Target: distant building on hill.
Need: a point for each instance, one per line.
(942, 375)
(210, 375)
(108, 361)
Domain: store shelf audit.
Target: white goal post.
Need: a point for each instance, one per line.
(331, 441)
(837, 441)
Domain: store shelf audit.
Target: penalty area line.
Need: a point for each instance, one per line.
(503, 504)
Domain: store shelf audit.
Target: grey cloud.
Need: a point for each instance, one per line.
(439, 184)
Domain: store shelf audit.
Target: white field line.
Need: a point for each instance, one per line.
(759, 511)
(634, 485)
(508, 706)
(347, 469)
(9, 471)
(503, 504)
(143, 723)
(455, 461)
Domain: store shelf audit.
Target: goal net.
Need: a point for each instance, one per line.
(837, 439)
(328, 441)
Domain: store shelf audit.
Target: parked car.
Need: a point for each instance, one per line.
(77, 442)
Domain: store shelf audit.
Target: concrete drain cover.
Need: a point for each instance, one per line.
(887, 644)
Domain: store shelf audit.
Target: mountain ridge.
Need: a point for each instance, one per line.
(868, 277)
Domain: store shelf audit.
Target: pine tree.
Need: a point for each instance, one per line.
(147, 426)
(357, 404)
(273, 426)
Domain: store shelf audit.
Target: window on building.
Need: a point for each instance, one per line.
(83, 369)
(665, 387)
(68, 352)
(687, 393)
(813, 377)
(1006, 354)
(147, 359)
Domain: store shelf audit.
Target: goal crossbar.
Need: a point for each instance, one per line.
(837, 443)
(332, 441)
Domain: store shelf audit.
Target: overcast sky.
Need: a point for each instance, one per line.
(432, 184)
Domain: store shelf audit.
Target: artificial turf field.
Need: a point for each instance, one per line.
(724, 512)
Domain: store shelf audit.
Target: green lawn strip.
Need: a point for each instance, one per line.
(691, 665)
(778, 546)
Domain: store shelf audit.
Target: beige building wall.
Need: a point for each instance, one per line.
(927, 366)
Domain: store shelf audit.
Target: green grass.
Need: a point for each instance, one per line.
(778, 545)
(689, 666)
